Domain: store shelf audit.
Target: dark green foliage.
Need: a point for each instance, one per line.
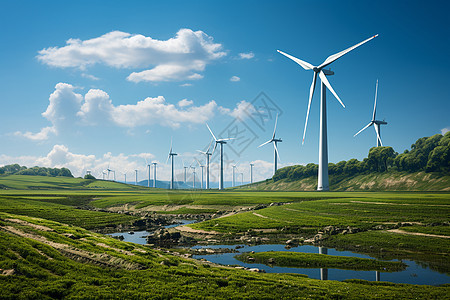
(35, 171)
(430, 154)
(89, 176)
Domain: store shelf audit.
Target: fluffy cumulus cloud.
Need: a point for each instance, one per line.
(248, 55)
(235, 78)
(67, 109)
(182, 57)
(242, 110)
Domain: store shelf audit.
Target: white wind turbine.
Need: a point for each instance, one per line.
(251, 172)
(207, 154)
(202, 167)
(322, 181)
(149, 171)
(221, 142)
(376, 124)
(171, 155)
(135, 178)
(234, 176)
(274, 141)
(154, 174)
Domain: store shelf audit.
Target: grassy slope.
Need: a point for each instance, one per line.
(392, 181)
(48, 263)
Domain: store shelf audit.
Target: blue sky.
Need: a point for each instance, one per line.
(85, 84)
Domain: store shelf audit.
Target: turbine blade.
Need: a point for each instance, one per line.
(201, 152)
(275, 128)
(215, 146)
(311, 93)
(264, 143)
(334, 57)
(378, 135)
(276, 150)
(375, 105)
(324, 79)
(305, 65)
(211, 132)
(209, 147)
(368, 125)
(227, 139)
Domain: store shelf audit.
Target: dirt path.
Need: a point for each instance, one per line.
(187, 229)
(418, 233)
(390, 203)
(261, 216)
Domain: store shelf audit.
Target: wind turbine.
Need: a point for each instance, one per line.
(251, 173)
(154, 174)
(234, 176)
(125, 175)
(149, 171)
(242, 178)
(274, 141)
(221, 142)
(185, 169)
(193, 179)
(376, 124)
(207, 154)
(322, 181)
(171, 155)
(202, 167)
(135, 178)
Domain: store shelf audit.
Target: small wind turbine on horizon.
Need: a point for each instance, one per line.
(274, 141)
(154, 174)
(171, 155)
(322, 180)
(376, 124)
(207, 154)
(234, 176)
(251, 173)
(149, 171)
(202, 167)
(135, 178)
(221, 142)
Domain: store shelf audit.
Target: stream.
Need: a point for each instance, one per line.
(414, 273)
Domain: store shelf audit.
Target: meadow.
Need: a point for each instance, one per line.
(46, 234)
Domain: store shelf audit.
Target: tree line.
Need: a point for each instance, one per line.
(429, 154)
(16, 169)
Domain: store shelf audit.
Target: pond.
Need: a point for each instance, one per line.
(414, 273)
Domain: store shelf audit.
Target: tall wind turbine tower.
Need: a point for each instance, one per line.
(154, 174)
(135, 178)
(207, 154)
(274, 141)
(234, 178)
(149, 171)
(322, 180)
(376, 124)
(221, 142)
(251, 173)
(171, 155)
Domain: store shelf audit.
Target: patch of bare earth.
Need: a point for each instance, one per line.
(188, 229)
(418, 233)
(38, 227)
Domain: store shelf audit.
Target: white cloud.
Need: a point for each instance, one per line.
(248, 55)
(89, 76)
(97, 107)
(175, 59)
(242, 110)
(235, 78)
(186, 84)
(445, 130)
(185, 102)
(39, 136)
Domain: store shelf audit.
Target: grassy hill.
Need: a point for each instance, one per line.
(388, 181)
(26, 182)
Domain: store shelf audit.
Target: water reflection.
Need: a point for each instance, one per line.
(323, 271)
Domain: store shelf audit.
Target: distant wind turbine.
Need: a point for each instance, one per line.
(202, 167)
(322, 181)
(234, 174)
(376, 124)
(221, 142)
(135, 179)
(251, 173)
(207, 154)
(171, 155)
(149, 171)
(274, 141)
(154, 174)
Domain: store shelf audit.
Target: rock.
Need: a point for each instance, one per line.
(251, 259)
(271, 261)
(254, 270)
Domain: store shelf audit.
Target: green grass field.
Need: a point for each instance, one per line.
(92, 265)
